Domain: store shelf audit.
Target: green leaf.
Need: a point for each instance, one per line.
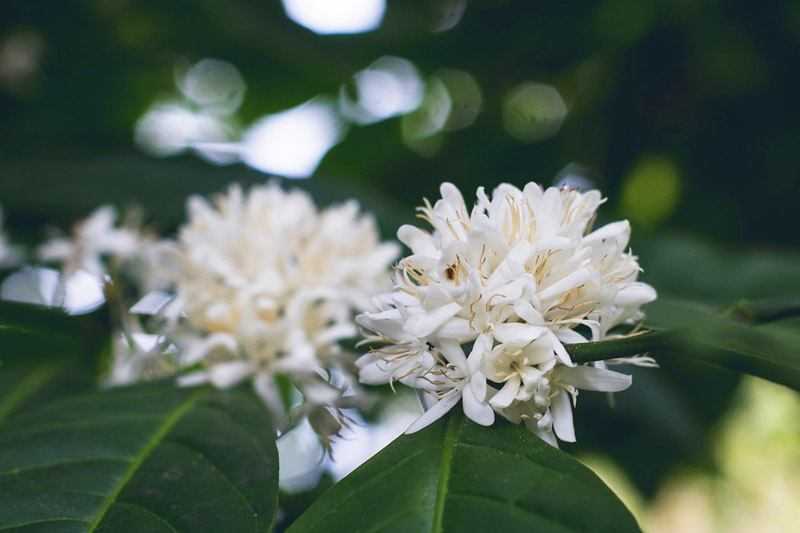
(38, 380)
(45, 353)
(147, 458)
(29, 329)
(457, 476)
(689, 330)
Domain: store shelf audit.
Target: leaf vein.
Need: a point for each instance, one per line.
(149, 512)
(217, 469)
(163, 430)
(454, 425)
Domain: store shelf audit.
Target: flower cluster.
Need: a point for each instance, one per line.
(483, 308)
(95, 251)
(265, 284)
(94, 239)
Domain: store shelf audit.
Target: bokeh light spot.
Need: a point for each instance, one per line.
(169, 128)
(77, 293)
(20, 59)
(211, 91)
(651, 190)
(534, 112)
(466, 97)
(447, 14)
(292, 143)
(215, 85)
(432, 115)
(340, 16)
(389, 87)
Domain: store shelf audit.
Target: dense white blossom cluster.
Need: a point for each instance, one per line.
(484, 306)
(266, 284)
(262, 286)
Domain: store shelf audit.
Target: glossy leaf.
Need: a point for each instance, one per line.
(37, 380)
(689, 330)
(457, 476)
(45, 353)
(147, 458)
(29, 329)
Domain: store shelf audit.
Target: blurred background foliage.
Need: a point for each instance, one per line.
(682, 112)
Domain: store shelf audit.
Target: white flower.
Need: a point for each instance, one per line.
(517, 277)
(265, 283)
(92, 240)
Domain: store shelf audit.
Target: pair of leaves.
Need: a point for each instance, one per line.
(159, 459)
(156, 458)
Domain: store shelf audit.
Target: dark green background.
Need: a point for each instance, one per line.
(710, 85)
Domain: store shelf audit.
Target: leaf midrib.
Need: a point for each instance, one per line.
(454, 424)
(163, 430)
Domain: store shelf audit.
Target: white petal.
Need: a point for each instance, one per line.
(420, 242)
(512, 291)
(480, 349)
(478, 385)
(561, 409)
(619, 232)
(539, 351)
(552, 243)
(145, 342)
(452, 196)
(30, 285)
(528, 313)
(507, 394)
(454, 354)
(424, 324)
(437, 411)
(635, 294)
(561, 352)
(476, 410)
(517, 334)
(570, 336)
(193, 378)
(225, 375)
(511, 267)
(546, 435)
(334, 334)
(374, 373)
(152, 303)
(319, 393)
(592, 378)
(388, 323)
(196, 350)
(264, 385)
(457, 329)
(566, 284)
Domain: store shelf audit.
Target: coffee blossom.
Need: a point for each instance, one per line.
(93, 240)
(484, 307)
(265, 284)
